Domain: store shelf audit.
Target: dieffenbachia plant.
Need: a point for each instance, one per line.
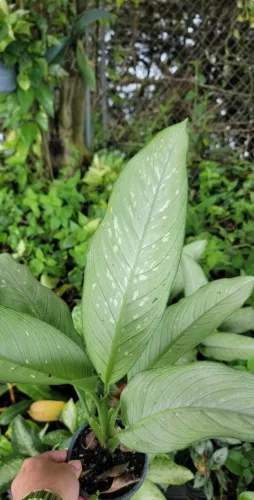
(128, 327)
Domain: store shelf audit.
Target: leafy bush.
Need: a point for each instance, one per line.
(44, 118)
(48, 225)
(221, 208)
(127, 327)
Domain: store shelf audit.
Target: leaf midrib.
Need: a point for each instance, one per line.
(183, 332)
(131, 275)
(153, 417)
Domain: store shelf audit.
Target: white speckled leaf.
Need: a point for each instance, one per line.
(163, 470)
(185, 324)
(193, 250)
(178, 284)
(240, 321)
(228, 347)
(173, 407)
(9, 468)
(148, 491)
(134, 255)
(193, 275)
(21, 291)
(34, 352)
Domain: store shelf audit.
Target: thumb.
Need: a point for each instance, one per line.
(76, 467)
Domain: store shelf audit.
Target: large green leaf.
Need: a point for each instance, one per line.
(26, 99)
(34, 352)
(193, 250)
(69, 416)
(178, 284)
(45, 96)
(193, 275)
(186, 324)
(187, 358)
(148, 491)
(172, 407)
(20, 291)
(246, 495)
(24, 438)
(240, 321)
(3, 389)
(85, 67)
(9, 468)
(89, 17)
(57, 53)
(54, 438)
(29, 131)
(39, 392)
(166, 471)
(228, 346)
(12, 411)
(5, 447)
(135, 253)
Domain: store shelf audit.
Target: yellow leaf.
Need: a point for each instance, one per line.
(46, 411)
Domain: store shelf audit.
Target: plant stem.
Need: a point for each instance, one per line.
(103, 416)
(100, 425)
(113, 442)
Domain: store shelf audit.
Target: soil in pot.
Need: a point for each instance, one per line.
(113, 474)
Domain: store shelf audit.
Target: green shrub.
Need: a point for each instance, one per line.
(221, 210)
(48, 225)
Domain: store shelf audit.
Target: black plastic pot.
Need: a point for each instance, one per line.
(129, 490)
(8, 78)
(184, 492)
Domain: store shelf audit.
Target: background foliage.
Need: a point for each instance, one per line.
(89, 95)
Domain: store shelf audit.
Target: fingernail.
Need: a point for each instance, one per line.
(76, 464)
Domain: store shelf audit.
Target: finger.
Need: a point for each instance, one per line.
(76, 466)
(55, 456)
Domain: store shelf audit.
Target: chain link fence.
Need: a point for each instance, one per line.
(165, 60)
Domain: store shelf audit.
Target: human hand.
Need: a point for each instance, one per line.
(48, 471)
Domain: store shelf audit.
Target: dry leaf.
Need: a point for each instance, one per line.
(114, 402)
(121, 482)
(116, 471)
(91, 441)
(124, 449)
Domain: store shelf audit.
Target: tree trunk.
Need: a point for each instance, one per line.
(68, 148)
(81, 5)
(67, 142)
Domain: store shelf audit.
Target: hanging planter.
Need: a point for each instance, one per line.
(8, 78)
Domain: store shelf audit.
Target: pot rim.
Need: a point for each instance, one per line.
(127, 495)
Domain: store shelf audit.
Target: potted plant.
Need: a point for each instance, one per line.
(8, 77)
(129, 330)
